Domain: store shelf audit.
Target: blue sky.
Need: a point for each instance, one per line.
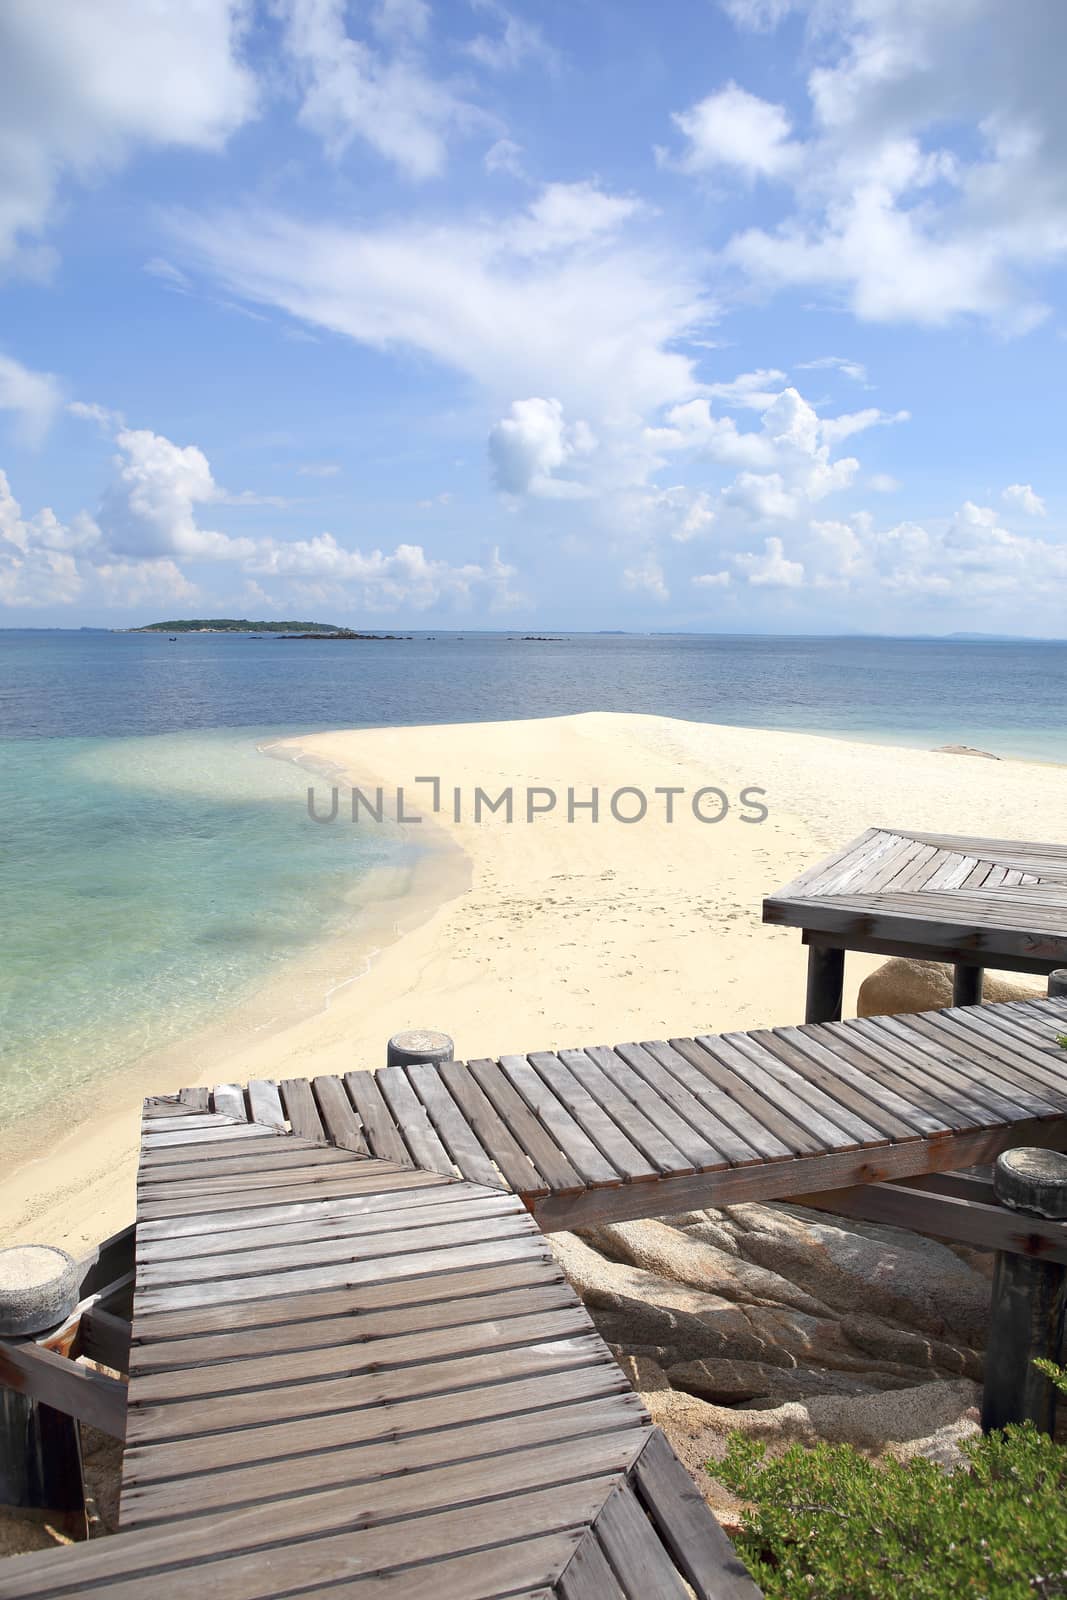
(566, 313)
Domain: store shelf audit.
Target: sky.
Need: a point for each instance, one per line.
(713, 315)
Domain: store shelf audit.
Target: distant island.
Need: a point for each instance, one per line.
(238, 625)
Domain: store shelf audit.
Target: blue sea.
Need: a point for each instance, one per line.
(155, 866)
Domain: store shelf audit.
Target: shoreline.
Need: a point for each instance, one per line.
(539, 935)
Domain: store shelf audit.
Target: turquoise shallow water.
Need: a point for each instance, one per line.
(155, 868)
(146, 883)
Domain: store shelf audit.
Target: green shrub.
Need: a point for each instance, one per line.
(828, 1524)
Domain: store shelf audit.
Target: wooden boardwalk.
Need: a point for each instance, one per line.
(601, 1134)
(940, 897)
(357, 1369)
(349, 1376)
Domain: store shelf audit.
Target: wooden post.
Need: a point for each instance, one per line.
(1028, 1299)
(967, 985)
(1057, 984)
(40, 1448)
(419, 1044)
(826, 983)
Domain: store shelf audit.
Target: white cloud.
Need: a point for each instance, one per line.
(530, 444)
(933, 182)
(754, 390)
(151, 508)
(772, 569)
(711, 580)
(81, 88)
(33, 397)
(1022, 496)
(385, 96)
(504, 156)
(735, 129)
(848, 369)
(647, 578)
(406, 577)
(515, 43)
(883, 483)
(170, 276)
(484, 297)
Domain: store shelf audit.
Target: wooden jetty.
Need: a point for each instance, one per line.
(355, 1367)
(977, 903)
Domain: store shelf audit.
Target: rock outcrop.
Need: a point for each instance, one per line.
(788, 1325)
(905, 985)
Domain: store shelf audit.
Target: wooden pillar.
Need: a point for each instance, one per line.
(1028, 1299)
(40, 1448)
(1057, 984)
(826, 983)
(414, 1045)
(967, 985)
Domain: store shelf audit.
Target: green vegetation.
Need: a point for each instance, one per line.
(828, 1523)
(235, 625)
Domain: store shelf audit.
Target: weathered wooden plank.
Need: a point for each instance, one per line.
(215, 1198)
(827, 1120)
(458, 1138)
(105, 1338)
(480, 1221)
(355, 1327)
(707, 1559)
(593, 1119)
(498, 1403)
(415, 1127)
(229, 1100)
(353, 1464)
(999, 1086)
(266, 1103)
(897, 1058)
(496, 1137)
(218, 1132)
(785, 1180)
(818, 1060)
(77, 1391)
(343, 1127)
(359, 1228)
(513, 1110)
(740, 1136)
(588, 1576)
(167, 1166)
(300, 1108)
(186, 1417)
(901, 1096)
(637, 1557)
(635, 1073)
(347, 1274)
(730, 1070)
(571, 1138)
(188, 1562)
(196, 1098)
(665, 1156)
(346, 1359)
(211, 1229)
(726, 1125)
(379, 1129)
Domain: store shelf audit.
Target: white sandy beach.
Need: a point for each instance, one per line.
(554, 933)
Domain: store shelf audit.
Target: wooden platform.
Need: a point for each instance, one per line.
(348, 1376)
(601, 1134)
(356, 1368)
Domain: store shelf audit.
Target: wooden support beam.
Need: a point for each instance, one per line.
(1029, 1298)
(967, 983)
(109, 1262)
(39, 1374)
(826, 982)
(948, 1216)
